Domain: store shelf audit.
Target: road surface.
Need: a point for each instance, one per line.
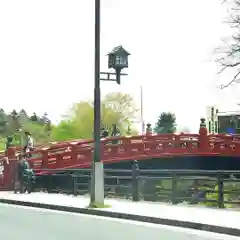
(24, 223)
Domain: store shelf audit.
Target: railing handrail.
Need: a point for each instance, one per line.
(213, 188)
(150, 171)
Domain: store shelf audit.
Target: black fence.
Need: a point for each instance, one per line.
(210, 188)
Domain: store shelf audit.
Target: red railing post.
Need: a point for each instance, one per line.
(44, 159)
(10, 162)
(203, 137)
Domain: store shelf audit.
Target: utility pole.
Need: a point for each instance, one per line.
(141, 109)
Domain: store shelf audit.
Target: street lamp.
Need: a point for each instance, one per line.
(117, 59)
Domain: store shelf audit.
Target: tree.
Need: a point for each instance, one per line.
(228, 55)
(66, 130)
(166, 123)
(82, 120)
(14, 114)
(120, 105)
(14, 124)
(120, 109)
(116, 108)
(44, 119)
(3, 122)
(34, 117)
(13, 121)
(23, 115)
(48, 127)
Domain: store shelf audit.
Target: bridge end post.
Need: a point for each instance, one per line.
(203, 136)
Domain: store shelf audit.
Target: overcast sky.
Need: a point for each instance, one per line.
(47, 54)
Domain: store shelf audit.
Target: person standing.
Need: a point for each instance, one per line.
(115, 133)
(18, 180)
(28, 146)
(104, 133)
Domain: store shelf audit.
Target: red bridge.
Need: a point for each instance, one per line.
(78, 154)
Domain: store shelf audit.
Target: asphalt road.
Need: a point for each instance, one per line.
(19, 223)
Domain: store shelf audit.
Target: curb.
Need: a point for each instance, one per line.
(127, 216)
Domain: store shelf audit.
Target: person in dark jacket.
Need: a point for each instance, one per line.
(22, 165)
(115, 133)
(104, 133)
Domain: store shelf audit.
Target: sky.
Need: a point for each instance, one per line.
(47, 55)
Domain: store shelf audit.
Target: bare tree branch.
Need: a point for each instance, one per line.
(228, 55)
(234, 80)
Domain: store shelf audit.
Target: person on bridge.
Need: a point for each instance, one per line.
(115, 131)
(28, 147)
(104, 133)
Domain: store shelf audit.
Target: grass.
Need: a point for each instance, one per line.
(96, 205)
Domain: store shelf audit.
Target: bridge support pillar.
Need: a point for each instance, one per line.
(97, 184)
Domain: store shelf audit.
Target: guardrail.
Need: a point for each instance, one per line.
(212, 188)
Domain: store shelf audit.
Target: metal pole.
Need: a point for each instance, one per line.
(142, 120)
(97, 183)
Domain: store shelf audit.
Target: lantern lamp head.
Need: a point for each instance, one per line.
(118, 58)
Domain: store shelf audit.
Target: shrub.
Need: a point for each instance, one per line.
(214, 197)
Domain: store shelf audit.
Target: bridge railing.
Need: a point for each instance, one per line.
(79, 153)
(113, 149)
(125, 148)
(209, 188)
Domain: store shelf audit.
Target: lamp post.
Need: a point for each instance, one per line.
(141, 110)
(117, 59)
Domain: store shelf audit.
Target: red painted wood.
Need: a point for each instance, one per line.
(78, 154)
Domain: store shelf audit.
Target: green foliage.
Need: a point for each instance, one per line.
(15, 124)
(38, 132)
(34, 118)
(3, 121)
(232, 195)
(214, 197)
(64, 131)
(116, 108)
(166, 123)
(97, 205)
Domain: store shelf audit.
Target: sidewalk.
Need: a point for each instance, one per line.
(151, 212)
